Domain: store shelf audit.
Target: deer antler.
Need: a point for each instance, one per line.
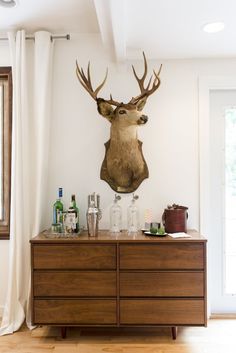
(87, 84)
(112, 102)
(86, 81)
(145, 92)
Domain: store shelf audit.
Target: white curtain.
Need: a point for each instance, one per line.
(32, 73)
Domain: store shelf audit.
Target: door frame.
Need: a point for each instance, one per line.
(205, 85)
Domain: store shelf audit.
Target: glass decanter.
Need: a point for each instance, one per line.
(115, 216)
(133, 216)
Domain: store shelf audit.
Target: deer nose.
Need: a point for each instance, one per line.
(143, 119)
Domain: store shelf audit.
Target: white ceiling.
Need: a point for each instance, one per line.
(77, 16)
(164, 29)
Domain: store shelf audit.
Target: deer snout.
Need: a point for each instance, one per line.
(143, 119)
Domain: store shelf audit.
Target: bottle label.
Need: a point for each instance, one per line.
(57, 216)
(70, 222)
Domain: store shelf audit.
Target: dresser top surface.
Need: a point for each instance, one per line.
(105, 236)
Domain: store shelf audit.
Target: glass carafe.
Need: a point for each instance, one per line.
(115, 216)
(133, 216)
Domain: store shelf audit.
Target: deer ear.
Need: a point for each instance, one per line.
(141, 103)
(105, 109)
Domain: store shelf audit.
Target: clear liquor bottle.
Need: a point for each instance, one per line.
(116, 216)
(133, 216)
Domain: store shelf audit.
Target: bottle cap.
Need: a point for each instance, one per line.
(60, 192)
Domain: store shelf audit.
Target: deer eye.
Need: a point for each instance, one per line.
(122, 111)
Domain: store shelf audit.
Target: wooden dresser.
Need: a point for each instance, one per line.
(119, 281)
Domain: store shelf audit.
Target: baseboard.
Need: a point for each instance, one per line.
(223, 316)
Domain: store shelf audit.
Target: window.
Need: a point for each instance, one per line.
(5, 149)
(230, 200)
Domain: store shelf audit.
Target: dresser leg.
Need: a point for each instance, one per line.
(174, 332)
(63, 332)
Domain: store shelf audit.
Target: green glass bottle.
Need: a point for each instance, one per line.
(76, 211)
(58, 208)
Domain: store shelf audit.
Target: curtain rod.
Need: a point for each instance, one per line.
(66, 36)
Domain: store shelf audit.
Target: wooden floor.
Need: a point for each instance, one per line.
(218, 337)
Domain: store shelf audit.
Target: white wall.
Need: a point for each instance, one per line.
(170, 138)
(78, 132)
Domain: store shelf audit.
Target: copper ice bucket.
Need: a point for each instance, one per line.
(174, 219)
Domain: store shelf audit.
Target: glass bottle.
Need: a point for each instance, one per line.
(71, 219)
(116, 216)
(133, 216)
(58, 208)
(77, 213)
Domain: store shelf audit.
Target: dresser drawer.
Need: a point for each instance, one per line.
(162, 256)
(82, 256)
(162, 312)
(162, 284)
(74, 283)
(75, 312)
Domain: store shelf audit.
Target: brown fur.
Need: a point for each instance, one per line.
(124, 167)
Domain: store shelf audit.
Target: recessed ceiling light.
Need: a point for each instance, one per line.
(8, 3)
(213, 27)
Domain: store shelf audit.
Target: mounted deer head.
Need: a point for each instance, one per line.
(124, 167)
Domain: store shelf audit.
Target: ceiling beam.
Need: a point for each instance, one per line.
(112, 23)
(118, 16)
